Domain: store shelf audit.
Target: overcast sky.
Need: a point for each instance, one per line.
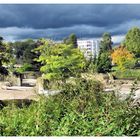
(58, 21)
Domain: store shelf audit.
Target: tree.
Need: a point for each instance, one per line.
(5, 56)
(123, 58)
(24, 52)
(106, 43)
(103, 62)
(72, 39)
(1, 39)
(132, 41)
(60, 61)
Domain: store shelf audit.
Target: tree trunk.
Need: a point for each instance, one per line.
(20, 79)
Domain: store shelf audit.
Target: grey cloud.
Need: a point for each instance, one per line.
(59, 20)
(56, 16)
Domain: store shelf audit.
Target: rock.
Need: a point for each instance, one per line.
(39, 85)
(4, 85)
(137, 95)
(7, 84)
(50, 92)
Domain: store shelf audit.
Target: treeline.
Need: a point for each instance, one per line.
(65, 58)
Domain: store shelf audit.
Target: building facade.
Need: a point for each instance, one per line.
(90, 48)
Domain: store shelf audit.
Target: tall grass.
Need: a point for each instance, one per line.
(82, 109)
(128, 74)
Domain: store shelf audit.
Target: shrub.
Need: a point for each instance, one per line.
(123, 58)
(80, 110)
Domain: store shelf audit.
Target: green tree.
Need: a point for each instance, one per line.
(72, 39)
(103, 62)
(24, 52)
(132, 41)
(106, 43)
(5, 56)
(60, 61)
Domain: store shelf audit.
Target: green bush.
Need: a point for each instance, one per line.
(82, 109)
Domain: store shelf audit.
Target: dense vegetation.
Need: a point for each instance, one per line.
(80, 110)
(126, 57)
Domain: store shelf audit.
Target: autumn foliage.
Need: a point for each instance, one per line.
(122, 57)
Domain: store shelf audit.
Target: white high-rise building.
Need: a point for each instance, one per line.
(90, 48)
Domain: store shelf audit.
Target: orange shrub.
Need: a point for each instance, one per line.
(121, 56)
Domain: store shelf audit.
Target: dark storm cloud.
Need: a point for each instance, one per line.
(54, 16)
(58, 21)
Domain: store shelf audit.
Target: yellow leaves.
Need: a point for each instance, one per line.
(120, 56)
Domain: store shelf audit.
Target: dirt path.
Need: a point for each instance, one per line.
(18, 94)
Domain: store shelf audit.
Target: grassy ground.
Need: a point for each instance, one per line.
(127, 74)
